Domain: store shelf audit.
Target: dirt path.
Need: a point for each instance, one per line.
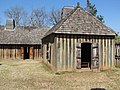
(33, 75)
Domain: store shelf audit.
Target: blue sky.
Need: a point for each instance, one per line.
(110, 9)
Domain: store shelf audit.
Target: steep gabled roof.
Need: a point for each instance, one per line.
(79, 21)
(20, 35)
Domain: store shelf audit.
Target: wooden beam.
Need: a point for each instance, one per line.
(64, 53)
(14, 52)
(61, 53)
(56, 50)
(72, 53)
(68, 50)
(108, 53)
(52, 54)
(103, 52)
(5, 52)
(113, 52)
(44, 52)
(99, 53)
(22, 52)
(75, 63)
(0, 52)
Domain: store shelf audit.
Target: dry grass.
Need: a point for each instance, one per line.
(33, 75)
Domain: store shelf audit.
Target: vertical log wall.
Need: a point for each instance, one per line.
(64, 47)
(37, 52)
(10, 52)
(106, 51)
(17, 52)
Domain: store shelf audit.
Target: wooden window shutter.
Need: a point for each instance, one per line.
(78, 55)
(22, 52)
(95, 55)
(31, 52)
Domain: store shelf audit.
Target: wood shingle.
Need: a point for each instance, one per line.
(22, 36)
(79, 21)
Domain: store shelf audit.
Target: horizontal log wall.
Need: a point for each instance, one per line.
(66, 47)
(117, 54)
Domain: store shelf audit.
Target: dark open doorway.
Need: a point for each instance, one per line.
(26, 52)
(86, 55)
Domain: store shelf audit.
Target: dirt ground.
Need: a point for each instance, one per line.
(33, 75)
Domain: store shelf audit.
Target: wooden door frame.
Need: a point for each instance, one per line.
(31, 57)
(90, 61)
(23, 52)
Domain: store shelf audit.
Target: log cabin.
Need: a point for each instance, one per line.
(79, 41)
(17, 42)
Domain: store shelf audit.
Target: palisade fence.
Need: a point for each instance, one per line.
(117, 54)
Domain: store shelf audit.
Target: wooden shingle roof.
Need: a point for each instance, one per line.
(22, 36)
(79, 21)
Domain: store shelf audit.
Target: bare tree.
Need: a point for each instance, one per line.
(25, 20)
(37, 17)
(55, 16)
(16, 13)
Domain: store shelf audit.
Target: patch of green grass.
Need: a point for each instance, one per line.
(104, 71)
(14, 65)
(117, 66)
(47, 68)
(66, 72)
(34, 75)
